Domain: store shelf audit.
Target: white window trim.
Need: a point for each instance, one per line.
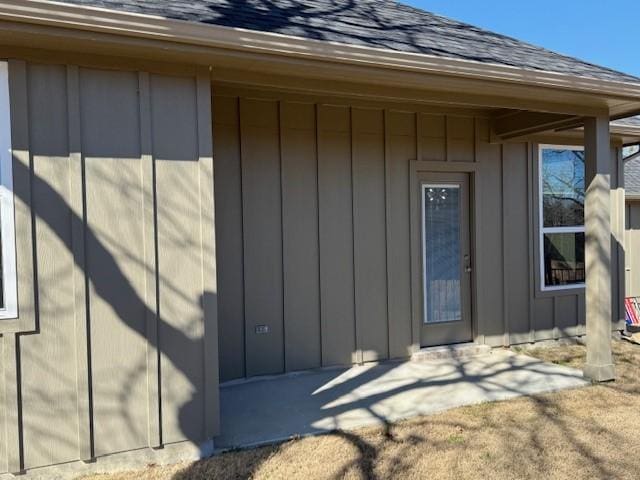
(542, 229)
(7, 223)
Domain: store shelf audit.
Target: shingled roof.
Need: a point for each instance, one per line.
(632, 176)
(373, 23)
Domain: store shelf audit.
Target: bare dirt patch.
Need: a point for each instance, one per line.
(586, 433)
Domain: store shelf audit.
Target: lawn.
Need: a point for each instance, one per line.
(591, 432)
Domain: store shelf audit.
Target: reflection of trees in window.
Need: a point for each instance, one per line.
(564, 258)
(563, 188)
(562, 207)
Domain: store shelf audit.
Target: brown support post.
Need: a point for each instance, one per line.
(599, 365)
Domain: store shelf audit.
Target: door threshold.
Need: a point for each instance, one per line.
(455, 351)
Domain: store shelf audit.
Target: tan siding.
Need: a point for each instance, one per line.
(617, 238)
(13, 403)
(262, 226)
(400, 150)
(115, 256)
(362, 158)
(175, 150)
(632, 247)
(566, 315)
(369, 233)
(432, 133)
(50, 425)
(516, 241)
(460, 139)
(302, 342)
(82, 125)
(4, 407)
(229, 237)
(336, 236)
(488, 248)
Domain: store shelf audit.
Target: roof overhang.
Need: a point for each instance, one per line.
(630, 134)
(280, 60)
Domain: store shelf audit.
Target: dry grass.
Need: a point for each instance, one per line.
(586, 433)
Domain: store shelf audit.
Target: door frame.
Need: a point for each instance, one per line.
(416, 168)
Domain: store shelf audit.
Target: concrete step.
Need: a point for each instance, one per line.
(460, 350)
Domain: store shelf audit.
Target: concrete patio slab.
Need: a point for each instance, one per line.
(261, 411)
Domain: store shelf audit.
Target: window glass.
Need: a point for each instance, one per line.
(563, 258)
(443, 302)
(562, 191)
(563, 187)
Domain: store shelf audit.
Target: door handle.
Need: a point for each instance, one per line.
(467, 264)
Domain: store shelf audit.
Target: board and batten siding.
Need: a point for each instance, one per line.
(114, 194)
(314, 231)
(632, 248)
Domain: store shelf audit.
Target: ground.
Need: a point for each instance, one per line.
(585, 433)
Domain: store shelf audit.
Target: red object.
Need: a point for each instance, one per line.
(633, 311)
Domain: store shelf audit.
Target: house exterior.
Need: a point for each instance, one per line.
(200, 192)
(632, 211)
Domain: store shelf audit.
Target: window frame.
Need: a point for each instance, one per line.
(542, 230)
(7, 214)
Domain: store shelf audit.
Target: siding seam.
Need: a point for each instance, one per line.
(80, 280)
(387, 216)
(532, 203)
(210, 370)
(13, 415)
(282, 237)
(505, 283)
(316, 114)
(244, 318)
(359, 355)
(154, 425)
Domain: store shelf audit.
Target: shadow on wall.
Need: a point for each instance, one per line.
(111, 292)
(119, 293)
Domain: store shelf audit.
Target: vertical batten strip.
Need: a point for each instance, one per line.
(282, 236)
(556, 330)
(505, 243)
(415, 270)
(77, 206)
(532, 208)
(316, 119)
(387, 216)
(13, 428)
(243, 319)
(359, 355)
(3, 409)
(447, 147)
(476, 241)
(207, 237)
(150, 262)
(619, 199)
(476, 127)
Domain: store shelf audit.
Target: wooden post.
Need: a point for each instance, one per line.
(599, 365)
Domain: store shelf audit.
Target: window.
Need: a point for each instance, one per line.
(561, 197)
(8, 287)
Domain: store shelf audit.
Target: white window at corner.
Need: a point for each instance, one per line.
(8, 279)
(561, 198)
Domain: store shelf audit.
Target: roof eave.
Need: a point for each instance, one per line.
(94, 19)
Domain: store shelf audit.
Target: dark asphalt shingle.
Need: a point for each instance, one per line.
(632, 176)
(373, 23)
